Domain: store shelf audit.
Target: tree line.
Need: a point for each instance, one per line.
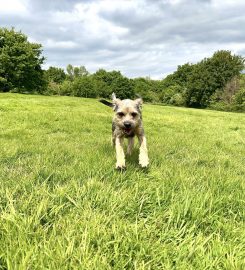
(216, 82)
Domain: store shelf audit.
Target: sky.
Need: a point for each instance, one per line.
(138, 37)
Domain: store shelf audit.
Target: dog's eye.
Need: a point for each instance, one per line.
(120, 114)
(134, 114)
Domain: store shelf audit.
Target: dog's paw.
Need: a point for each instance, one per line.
(120, 165)
(120, 168)
(144, 165)
(144, 162)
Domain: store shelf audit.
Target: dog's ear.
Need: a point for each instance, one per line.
(115, 101)
(113, 96)
(138, 102)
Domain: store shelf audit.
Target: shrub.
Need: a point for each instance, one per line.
(53, 88)
(172, 95)
(84, 87)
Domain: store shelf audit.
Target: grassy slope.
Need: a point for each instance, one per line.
(63, 206)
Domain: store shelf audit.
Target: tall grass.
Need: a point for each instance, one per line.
(63, 205)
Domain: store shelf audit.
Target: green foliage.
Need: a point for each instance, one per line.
(83, 87)
(113, 81)
(103, 84)
(76, 72)
(64, 206)
(107, 76)
(20, 63)
(146, 88)
(55, 74)
(214, 82)
(239, 101)
(173, 95)
(173, 87)
(63, 89)
(202, 84)
(66, 88)
(210, 75)
(102, 88)
(242, 80)
(53, 88)
(180, 76)
(5, 86)
(103, 81)
(231, 98)
(239, 97)
(199, 87)
(123, 87)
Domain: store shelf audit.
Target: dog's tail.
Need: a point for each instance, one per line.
(107, 103)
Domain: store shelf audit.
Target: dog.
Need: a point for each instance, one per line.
(127, 123)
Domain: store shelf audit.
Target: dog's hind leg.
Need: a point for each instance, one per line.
(120, 154)
(130, 145)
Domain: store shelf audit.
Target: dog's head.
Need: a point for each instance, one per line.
(127, 113)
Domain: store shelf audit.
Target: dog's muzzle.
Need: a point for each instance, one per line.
(127, 125)
(127, 128)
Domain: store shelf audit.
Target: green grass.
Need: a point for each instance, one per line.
(64, 206)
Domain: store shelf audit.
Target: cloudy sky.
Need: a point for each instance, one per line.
(137, 37)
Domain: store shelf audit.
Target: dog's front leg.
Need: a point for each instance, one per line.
(143, 156)
(120, 154)
(113, 140)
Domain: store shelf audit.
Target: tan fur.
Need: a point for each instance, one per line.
(130, 145)
(143, 157)
(120, 153)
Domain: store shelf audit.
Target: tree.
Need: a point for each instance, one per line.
(146, 88)
(141, 87)
(172, 95)
(224, 67)
(199, 87)
(230, 89)
(102, 88)
(123, 87)
(55, 74)
(105, 82)
(75, 72)
(70, 71)
(20, 62)
(239, 97)
(211, 75)
(197, 83)
(80, 71)
(84, 87)
(238, 100)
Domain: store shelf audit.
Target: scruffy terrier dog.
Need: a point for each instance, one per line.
(127, 123)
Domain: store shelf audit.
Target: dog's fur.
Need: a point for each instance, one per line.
(127, 123)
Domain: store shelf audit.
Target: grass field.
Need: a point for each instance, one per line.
(64, 206)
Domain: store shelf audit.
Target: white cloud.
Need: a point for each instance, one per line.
(13, 7)
(51, 44)
(138, 37)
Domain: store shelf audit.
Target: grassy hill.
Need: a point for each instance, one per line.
(64, 206)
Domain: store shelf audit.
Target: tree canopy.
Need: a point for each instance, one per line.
(55, 74)
(214, 82)
(20, 62)
(198, 82)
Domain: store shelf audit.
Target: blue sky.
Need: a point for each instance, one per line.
(138, 37)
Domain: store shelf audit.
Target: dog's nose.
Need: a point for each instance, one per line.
(127, 124)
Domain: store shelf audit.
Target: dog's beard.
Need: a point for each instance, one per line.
(128, 131)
